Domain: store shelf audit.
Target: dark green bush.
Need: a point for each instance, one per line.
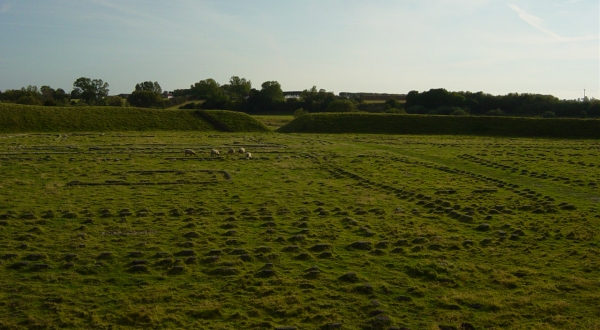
(395, 110)
(459, 112)
(299, 112)
(114, 101)
(341, 106)
(495, 112)
(29, 100)
(417, 110)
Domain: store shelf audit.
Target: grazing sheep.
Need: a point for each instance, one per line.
(248, 155)
(231, 151)
(241, 150)
(214, 152)
(187, 152)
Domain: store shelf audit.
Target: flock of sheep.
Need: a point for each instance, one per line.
(215, 152)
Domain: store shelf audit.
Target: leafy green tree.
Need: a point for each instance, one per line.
(31, 90)
(341, 106)
(269, 98)
(495, 112)
(147, 94)
(60, 96)
(271, 91)
(300, 112)
(239, 88)
(186, 92)
(207, 89)
(75, 94)
(314, 100)
(49, 96)
(115, 101)
(91, 91)
(413, 99)
(144, 99)
(29, 100)
(149, 86)
(47, 93)
(393, 103)
(13, 95)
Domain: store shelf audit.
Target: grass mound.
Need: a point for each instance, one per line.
(231, 121)
(421, 124)
(16, 118)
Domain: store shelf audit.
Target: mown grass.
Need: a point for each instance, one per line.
(230, 121)
(274, 121)
(22, 118)
(316, 231)
(175, 107)
(447, 125)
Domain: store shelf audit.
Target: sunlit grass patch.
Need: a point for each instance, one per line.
(314, 231)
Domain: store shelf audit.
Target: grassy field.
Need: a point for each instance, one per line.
(274, 121)
(176, 107)
(119, 230)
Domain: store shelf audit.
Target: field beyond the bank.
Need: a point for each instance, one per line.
(315, 231)
(16, 118)
(369, 123)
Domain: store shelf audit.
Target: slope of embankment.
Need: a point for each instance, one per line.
(455, 125)
(232, 121)
(16, 118)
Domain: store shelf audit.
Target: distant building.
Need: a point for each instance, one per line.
(373, 96)
(292, 94)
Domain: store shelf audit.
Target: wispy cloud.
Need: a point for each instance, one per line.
(534, 21)
(5, 7)
(537, 23)
(129, 15)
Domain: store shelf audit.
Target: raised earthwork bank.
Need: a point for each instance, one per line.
(16, 118)
(447, 125)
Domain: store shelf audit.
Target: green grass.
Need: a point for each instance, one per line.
(450, 125)
(230, 121)
(404, 213)
(21, 118)
(176, 107)
(274, 121)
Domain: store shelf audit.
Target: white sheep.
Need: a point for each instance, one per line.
(187, 152)
(248, 155)
(214, 152)
(231, 151)
(241, 150)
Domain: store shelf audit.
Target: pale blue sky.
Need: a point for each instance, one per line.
(392, 46)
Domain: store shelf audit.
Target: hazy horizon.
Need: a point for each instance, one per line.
(383, 46)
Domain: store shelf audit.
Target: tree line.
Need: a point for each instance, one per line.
(239, 95)
(442, 102)
(91, 92)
